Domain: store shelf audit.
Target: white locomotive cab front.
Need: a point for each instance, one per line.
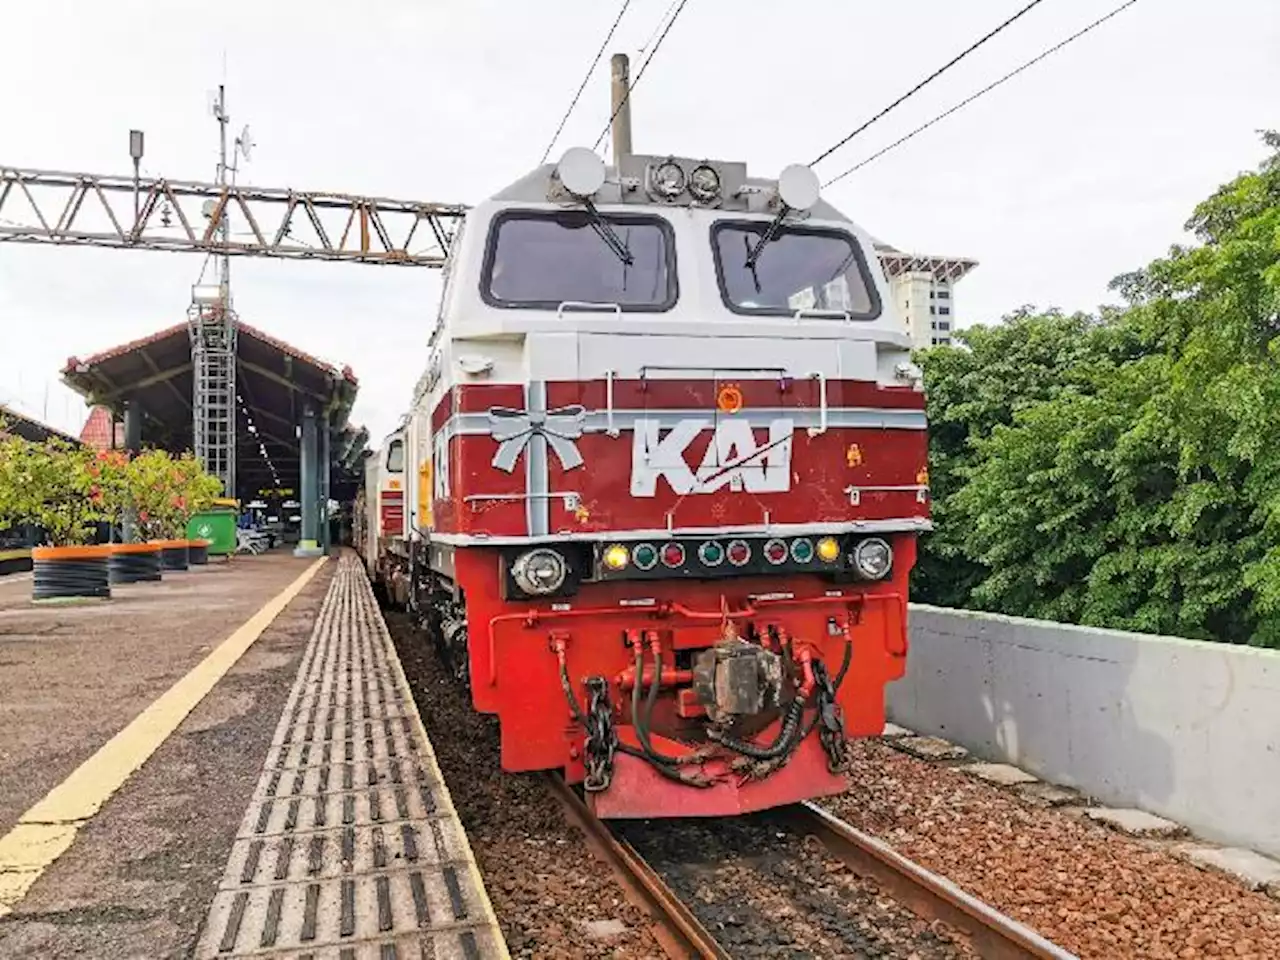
(660, 267)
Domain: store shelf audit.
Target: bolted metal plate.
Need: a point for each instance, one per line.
(350, 847)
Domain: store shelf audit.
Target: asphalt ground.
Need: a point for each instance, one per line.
(137, 880)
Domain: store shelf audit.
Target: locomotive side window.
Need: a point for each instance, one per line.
(539, 260)
(798, 269)
(395, 456)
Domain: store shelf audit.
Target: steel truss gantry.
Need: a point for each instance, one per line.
(84, 209)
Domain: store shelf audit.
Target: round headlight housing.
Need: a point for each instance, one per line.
(667, 179)
(873, 558)
(540, 571)
(704, 183)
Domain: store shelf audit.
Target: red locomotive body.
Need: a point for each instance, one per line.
(661, 528)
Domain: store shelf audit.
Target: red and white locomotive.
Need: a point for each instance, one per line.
(658, 493)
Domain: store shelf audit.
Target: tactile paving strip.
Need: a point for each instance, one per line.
(351, 848)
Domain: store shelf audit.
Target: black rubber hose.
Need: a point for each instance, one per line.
(785, 742)
(638, 721)
(835, 687)
(81, 577)
(567, 687)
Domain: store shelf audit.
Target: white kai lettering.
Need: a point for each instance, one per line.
(733, 458)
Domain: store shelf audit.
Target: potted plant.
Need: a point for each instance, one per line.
(49, 484)
(167, 490)
(196, 492)
(114, 486)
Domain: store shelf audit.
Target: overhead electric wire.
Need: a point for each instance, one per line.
(985, 90)
(926, 81)
(658, 26)
(590, 70)
(640, 73)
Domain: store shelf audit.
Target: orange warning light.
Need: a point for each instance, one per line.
(729, 399)
(922, 477)
(853, 456)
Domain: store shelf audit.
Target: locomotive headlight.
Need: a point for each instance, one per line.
(872, 558)
(539, 571)
(667, 179)
(704, 183)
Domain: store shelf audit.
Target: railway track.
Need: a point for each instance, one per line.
(979, 930)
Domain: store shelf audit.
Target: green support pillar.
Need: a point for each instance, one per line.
(325, 471)
(308, 545)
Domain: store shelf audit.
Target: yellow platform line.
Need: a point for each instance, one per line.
(44, 832)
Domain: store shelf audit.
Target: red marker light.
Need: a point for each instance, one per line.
(775, 551)
(738, 552)
(672, 555)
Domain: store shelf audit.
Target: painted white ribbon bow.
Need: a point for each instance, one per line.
(514, 428)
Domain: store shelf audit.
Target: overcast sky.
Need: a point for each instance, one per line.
(1083, 167)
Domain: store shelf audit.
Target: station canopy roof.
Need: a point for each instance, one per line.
(274, 380)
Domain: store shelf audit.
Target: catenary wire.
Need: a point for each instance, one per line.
(640, 73)
(658, 26)
(926, 81)
(985, 90)
(590, 70)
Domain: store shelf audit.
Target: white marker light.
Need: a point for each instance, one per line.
(581, 171)
(798, 186)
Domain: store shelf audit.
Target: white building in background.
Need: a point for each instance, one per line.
(923, 289)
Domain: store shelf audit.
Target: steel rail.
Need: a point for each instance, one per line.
(992, 934)
(677, 930)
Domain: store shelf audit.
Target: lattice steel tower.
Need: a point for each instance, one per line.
(211, 323)
(212, 327)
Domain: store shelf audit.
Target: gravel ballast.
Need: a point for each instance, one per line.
(1081, 885)
(765, 891)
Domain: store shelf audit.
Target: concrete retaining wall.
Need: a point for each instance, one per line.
(1184, 729)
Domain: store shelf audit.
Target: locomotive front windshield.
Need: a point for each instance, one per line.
(540, 260)
(798, 269)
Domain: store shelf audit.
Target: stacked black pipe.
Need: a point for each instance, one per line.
(70, 577)
(134, 567)
(174, 555)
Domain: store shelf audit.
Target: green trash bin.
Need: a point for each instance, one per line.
(217, 524)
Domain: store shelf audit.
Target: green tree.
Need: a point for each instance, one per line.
(972, 390)
(1131, 479)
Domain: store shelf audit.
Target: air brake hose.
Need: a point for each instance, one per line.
(835, 686)
(784, 744)
(639, 721)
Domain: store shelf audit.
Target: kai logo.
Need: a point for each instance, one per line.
(733, 461)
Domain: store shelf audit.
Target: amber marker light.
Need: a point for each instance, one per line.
(729, 399)
(828, 549)
(616, 557)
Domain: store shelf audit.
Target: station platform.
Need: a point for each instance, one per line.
(225, 764)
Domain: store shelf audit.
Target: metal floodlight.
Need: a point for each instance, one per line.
(206, 294)
(135, 144)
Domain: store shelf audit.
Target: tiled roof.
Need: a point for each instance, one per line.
(181, 328)
(97, 430)
(10, 414)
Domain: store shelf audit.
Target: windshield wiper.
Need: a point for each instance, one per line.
(604, 229)
(770, 234)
